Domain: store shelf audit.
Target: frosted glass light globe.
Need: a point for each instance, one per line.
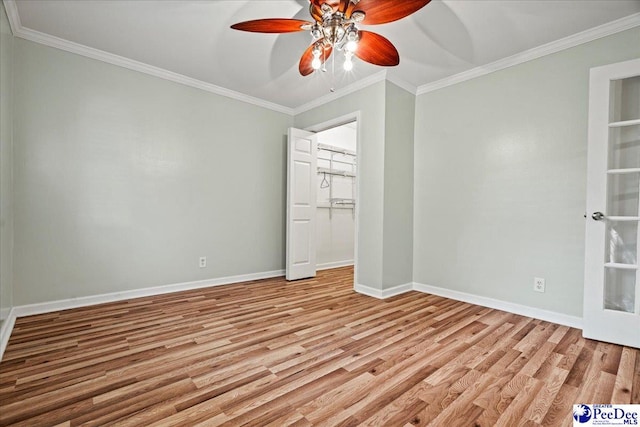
(348, 64)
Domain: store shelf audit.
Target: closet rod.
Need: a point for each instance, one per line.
(326, 147)
(339, 161)
(337, 207)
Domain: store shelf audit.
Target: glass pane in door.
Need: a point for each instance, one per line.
(622, 237)
(624, 147)
(623, 193)
(625, 99)
(623, 196)
(620, 289)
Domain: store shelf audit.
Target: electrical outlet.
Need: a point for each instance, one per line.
(203, 261)
(538, 284)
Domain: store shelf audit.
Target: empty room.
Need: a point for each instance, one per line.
(319, 212)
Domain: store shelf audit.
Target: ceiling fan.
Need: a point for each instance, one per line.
(335, 28)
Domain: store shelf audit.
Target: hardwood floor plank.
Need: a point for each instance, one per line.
(400, 409)
(548, 366)
(303, 353)
(604, 388)
(462, 407)
(519, 406)
(582, 363)
(542, 402)
(625, 376)
(562, 407)
(635, 392)
(588, 387)
(109, 411)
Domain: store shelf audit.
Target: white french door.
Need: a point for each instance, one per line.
(612, 275)
(301, 204)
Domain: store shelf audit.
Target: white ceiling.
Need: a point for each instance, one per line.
(193, 38)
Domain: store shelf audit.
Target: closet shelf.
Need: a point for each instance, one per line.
(336, 172)
(338, 203)
(342, 201)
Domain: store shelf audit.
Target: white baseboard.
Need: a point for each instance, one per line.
(335, 264)
(523, 310)
(383, 293)
(47, 307)
(5, 330)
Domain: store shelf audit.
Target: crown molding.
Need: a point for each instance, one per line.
(360, 84)
(100, 55)
(12, 14)
(403, 84)
(604, 30)
(594, 33)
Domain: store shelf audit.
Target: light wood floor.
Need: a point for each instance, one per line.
(311, 352)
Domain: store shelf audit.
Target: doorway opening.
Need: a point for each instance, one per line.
(336, 196)
(322, 198)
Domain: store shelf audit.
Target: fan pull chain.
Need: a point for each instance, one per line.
(333, 73)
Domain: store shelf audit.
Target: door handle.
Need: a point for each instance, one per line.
(597, 216)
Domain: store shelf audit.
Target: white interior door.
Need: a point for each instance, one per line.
(612, 276)
(301, 204)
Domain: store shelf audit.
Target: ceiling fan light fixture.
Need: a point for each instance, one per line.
(348, 62)
(316, 32)
(358, 16)
(334, 27)
(316, 63)
(334, 30)
(326, 9)
(352, 39)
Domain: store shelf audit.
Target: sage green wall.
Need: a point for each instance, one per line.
(6, 190)
(500, 178)
(385, 166)
(370, 102)
(398, 187)
(123, 180)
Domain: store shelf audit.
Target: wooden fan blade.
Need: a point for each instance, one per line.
(344, 5)
(377, 50)
(383, 11)
(305, 66)
(272, 25)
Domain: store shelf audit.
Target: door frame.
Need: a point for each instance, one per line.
(333, 123)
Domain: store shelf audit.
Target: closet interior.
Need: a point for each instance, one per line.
(336, 196)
